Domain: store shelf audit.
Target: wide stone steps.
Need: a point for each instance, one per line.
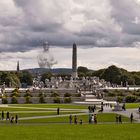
(94, 100)
(90, 97)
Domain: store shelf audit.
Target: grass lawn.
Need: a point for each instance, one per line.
(42, 113)
(40, 107)
(66, 106)
(101, 117)
(20, 109)
(132, 105)
(43, 110)
(70, 132)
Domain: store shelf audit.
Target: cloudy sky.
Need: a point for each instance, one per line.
(106, 32)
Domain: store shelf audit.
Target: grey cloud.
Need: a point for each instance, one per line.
(125, 12)
(98, 23)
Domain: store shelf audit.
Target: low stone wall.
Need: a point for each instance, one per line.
(110, 98)
(36, 100)
(46, 92)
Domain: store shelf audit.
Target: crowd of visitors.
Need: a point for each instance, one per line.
(13, 118)
(9, 117)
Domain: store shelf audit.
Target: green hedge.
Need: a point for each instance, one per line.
(67, 95)
(4, 100)
(41, 99)
(67, 100)
(14, 100)
(54, 94)
(56, 100)
(131, 98)
(28, 100)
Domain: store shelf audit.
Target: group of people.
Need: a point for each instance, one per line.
(123, 107)
(92, 108)
(9, 117)
(118, 118)
(92, 119)
(75, 120)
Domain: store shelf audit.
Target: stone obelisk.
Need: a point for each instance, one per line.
(74, 61)
(18, 67)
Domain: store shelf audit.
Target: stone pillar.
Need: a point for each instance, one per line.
(18, 67)
(74, 62)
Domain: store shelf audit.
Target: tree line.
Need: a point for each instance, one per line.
(111, 74)
(15, 79)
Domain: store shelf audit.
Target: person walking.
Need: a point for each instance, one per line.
(2, 115)
(89, 118)
(92, 108)
(81, 122)
(7, 116)
(92, 118)
(16, 118)
(117, 118)
(95, 118)
(75, 119)
(89, 109)
(139, 111)
(70, 118)
(120, 119)
(102, 108)
(131, 117)
(58, 110)
(123, 107)
(12, 119)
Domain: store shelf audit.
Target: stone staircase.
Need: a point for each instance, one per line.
(90, 98)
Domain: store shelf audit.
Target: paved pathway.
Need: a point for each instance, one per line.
(45, 108)
(106, 110)
(83, 112)
(51, 116)
(126, 113)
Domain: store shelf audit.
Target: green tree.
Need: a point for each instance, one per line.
(28, 100)
(112, 74)
(25, 77)
(115, 75)
(28, 93)
(41, 99)
(46, 75)
(14, 100)
(4, 100)
(82, 71)
(10, 79)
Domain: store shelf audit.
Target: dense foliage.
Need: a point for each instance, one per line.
(9, 79)
(112, 74)
(25, 77)
(117, 75)
(14, 79)
(128, 96)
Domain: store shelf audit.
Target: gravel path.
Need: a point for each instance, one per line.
(83, 112)
(126, 113)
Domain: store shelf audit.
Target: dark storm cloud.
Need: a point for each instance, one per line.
(25, 25)
(126, 14)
